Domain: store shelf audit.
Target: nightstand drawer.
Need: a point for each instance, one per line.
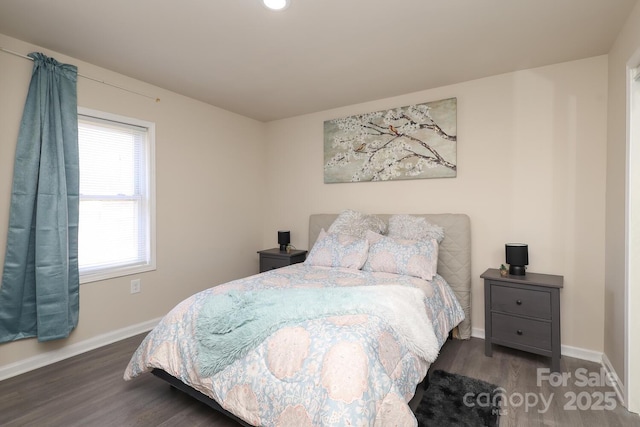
(270, 259)
(267, 264)
(523, 302)
(525, 332)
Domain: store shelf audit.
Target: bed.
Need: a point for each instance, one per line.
(337, 340)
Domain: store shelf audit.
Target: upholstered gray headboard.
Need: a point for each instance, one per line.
(454, 254)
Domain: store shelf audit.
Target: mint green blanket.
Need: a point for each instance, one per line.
(232, 324)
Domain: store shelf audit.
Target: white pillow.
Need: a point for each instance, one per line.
(414, 228)
(399, 256)
(357, 224)
(338, 250)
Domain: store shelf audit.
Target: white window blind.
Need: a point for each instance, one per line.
(116, 198)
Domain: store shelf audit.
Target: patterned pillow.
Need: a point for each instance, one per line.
(414, 228)
(357, 224)
(399, 256)
(338, 250)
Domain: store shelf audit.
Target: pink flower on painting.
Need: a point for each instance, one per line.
(345, 371)
(389, 352)
(294, 416)
(242, 401)
(286, 351)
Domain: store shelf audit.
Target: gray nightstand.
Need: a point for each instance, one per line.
(271, 259)
(523, 312)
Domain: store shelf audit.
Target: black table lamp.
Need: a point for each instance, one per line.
(284, 238)
(517, 257)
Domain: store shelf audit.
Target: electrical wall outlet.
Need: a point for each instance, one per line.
(135, 286)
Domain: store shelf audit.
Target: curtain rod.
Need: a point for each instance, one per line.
(86, 77)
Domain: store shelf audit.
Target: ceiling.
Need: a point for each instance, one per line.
(317, 54)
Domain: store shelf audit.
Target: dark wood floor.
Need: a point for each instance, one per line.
(88, 390)
(517, 373)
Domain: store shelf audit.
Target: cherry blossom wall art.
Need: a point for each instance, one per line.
(413, 142)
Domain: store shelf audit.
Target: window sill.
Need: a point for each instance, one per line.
(89, 277)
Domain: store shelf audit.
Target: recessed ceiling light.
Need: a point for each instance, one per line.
(276, 4)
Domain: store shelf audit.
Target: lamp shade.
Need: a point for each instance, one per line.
(284, 238)
(517, 256)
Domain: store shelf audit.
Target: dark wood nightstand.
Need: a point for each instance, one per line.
(275, 258)
(523, 312)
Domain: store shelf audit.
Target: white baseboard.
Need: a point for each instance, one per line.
(44, 359)
(583, 354)
(565, 350)
(477, 333)
(618, 385)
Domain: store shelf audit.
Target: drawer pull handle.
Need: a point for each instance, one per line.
(519, 331)
(519, 302)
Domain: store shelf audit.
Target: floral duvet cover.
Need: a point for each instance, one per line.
(344, 370)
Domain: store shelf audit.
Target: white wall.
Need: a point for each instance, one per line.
(622, 352)
(210, 168)
(531, 168)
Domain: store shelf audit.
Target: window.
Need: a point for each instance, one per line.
(116, 228)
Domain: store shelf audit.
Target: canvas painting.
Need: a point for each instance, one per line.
(413, 142)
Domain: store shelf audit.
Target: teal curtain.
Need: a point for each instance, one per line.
(39, 296)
